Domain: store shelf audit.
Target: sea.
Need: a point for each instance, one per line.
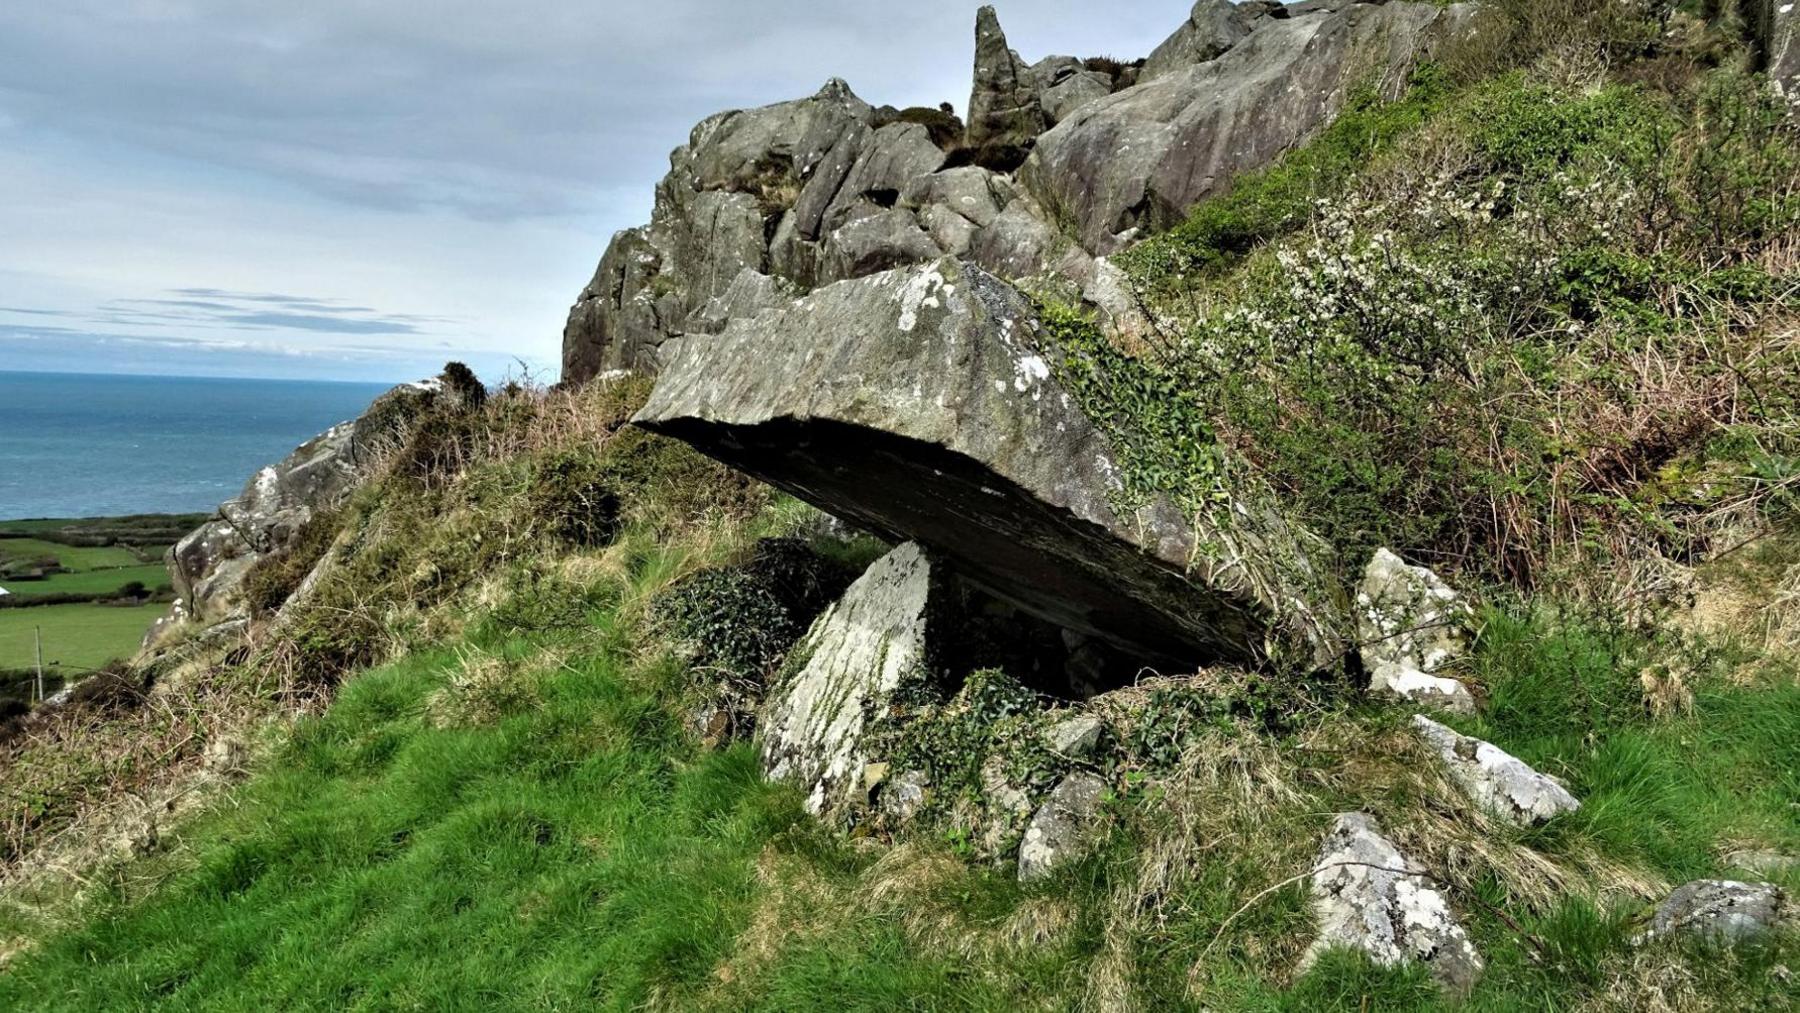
(78, 445)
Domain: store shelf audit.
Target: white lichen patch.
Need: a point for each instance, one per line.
(920, 293)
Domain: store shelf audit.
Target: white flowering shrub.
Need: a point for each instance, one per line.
(1481, 350)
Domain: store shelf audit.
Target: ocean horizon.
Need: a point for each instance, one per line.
(99, 445)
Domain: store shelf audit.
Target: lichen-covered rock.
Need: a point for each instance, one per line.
(1410, 624)
(862, 651)
(892, 157)
(970, 191)
(1367, 896)
(1719, 911)
(1074, 737)
(878, 241)
(904, 795)
(1063, 826)
(740, 174)
(1495, 778)
(749, 293)
(1003, 106)
(918, 404)
(1145, 155)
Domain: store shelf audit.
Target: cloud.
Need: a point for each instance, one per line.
(445, 172)
(497, 110)
(211, 307)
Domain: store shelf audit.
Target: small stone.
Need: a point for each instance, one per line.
(904, 796)
(1367, 896)
(1062, 827)
(1719, 911)
(1495, 778)
(1763, 863)
(1074, 737)
(1411, 624)
(227, 756)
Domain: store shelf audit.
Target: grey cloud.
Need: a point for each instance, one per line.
(212, 307)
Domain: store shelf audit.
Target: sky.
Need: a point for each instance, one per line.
(363, 189)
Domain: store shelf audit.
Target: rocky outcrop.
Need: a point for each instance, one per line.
(918, 404)
(1496, 779)
(1063, 826)
(1367, 896)
(1213, 27)
(827, 188)
(857, 656)
(1720, 911)
(1410, 624)
(1004, 110)
(208, 566)
(1143, 157)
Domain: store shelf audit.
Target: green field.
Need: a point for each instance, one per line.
(93, 582)
(76, 637)
(73, 557)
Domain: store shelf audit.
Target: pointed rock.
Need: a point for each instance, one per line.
(1495, 778)
(1003, 107)
(1367, 896)
(861, 652)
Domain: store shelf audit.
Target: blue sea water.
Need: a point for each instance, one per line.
(96, 446)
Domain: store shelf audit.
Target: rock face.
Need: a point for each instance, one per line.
(209, 565)
(857, 656)
(1776, 25)
(1495, 778)
(1367, 896)
(1410, 624)
(1003, 107)
(1142, 157)
(1062, 827)
(916, 403)
(1719, 910)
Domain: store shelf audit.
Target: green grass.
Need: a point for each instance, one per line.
(76, 637)
(1666, 794)
(95, 582)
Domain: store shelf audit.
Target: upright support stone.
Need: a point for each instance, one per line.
(857, 656)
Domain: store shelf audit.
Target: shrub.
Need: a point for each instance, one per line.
(745, 619)
(1492, 349)
(275, 577)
